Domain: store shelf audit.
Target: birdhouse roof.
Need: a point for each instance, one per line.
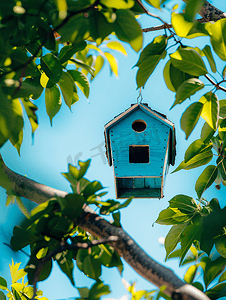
(150, 112)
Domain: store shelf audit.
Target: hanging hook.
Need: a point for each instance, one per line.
(140, 97)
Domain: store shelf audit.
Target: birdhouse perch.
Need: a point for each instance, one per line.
(140, 144)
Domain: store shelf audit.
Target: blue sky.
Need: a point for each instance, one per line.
(75, 134)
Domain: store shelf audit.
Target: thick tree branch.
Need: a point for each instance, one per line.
(97, 226)
(208, 13)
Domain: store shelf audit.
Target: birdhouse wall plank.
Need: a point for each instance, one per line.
(155, 137)
(140, 144)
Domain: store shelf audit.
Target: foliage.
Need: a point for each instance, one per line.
(52, 233)
(211, 269)
(19, 290)
(55, 48)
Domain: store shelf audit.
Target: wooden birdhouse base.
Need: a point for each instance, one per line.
(138, 188)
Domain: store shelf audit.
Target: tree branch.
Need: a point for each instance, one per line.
(97, 226)
(208, 13)
(65, 247)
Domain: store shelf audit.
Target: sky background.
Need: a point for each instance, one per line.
(78, 134)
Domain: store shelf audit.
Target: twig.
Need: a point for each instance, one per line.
(218, 87)
(65, 247)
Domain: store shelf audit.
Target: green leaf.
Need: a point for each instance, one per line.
(198, 160)
(192, 8)
(31, 113)
(33, 48)
(187, 89)
(21, 238)
(184, 203)
(68, 51)
(188, 61)
(77, 173)
(118, 4)
(222, 112)
(173, 238)
(172, 216)
(11, 121)
(218, 37)
(156, 47)
(190, 117)
(15, 273)
(207, 51)
(190, 234)
(92, 188)
(174, 77)
(82, 65)
(22, 207)
(190, 274)
(112, 62)
(210, 110)
(218, 291)
(98, 64)
(62, 8)
(128, 29)
(31, 267)
(2, 296)
(42, 253)
(3, 283)
(166, 76)
(81, 81)
(198, 285)
(71, 205)
(206, 133)
(174, 254)
(114, 205)
(68, 88)
(99, 25)
(116, 217)
(52, 67)
(221, 164)
(195, 148)
(83, 292)
(91, 267)
(205, 180)
(75, 30)
(185, 28)
(146, 68)
(53, 101)
(19, 60)
(154, 3)
(220, 244)
(30, 88)
(213, 269)
(66, 265)
(114, 45)
(223, 276)
(224, 72)
(98, 289)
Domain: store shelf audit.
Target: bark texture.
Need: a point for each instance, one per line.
(126, 247)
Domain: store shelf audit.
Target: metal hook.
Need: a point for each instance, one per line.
(140, 96)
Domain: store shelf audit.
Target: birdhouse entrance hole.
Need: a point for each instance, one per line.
(138, 154)
(139, 125)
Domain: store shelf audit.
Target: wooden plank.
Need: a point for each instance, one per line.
(138, 183)
(139, 193)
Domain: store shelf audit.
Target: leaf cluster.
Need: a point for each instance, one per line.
(20, 290)
(52, 234)
(50, 47)
(200, 224)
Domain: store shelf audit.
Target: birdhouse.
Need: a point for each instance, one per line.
(140, 145)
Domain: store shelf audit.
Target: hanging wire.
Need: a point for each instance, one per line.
(140, 97)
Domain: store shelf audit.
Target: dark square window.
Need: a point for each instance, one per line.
(139, 154)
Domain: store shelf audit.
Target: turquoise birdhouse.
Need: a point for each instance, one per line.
(140, 145)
